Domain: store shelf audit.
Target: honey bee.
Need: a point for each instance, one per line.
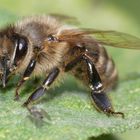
(46, 45)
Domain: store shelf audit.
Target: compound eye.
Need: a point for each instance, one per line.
(21, 49)
(21, 46)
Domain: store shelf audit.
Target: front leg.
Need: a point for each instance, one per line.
(42, 89)
(25, 76)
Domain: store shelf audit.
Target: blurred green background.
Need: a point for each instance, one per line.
(120, 15)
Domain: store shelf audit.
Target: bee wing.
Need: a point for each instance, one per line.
(65, 18)
(109, 38)
(117, 39)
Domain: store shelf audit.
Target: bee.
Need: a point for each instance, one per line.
(46, 45)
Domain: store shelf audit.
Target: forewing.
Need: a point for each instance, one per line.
(117, 39)
(109, 38)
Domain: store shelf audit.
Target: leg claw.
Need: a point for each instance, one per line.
(110, 112)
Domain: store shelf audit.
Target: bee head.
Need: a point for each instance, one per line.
(13, 49)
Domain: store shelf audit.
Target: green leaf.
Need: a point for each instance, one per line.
(70, 114)
(68, 111)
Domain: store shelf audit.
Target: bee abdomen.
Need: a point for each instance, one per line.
(107, 70)
(111, 75)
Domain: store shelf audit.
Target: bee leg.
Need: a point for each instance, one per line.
(73, 63)
(25, 77)
(99, 97)
(103, 103)
(41, 90)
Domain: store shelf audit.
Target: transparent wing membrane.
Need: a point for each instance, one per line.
(109, 38)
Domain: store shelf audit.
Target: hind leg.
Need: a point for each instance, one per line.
(98, 94)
